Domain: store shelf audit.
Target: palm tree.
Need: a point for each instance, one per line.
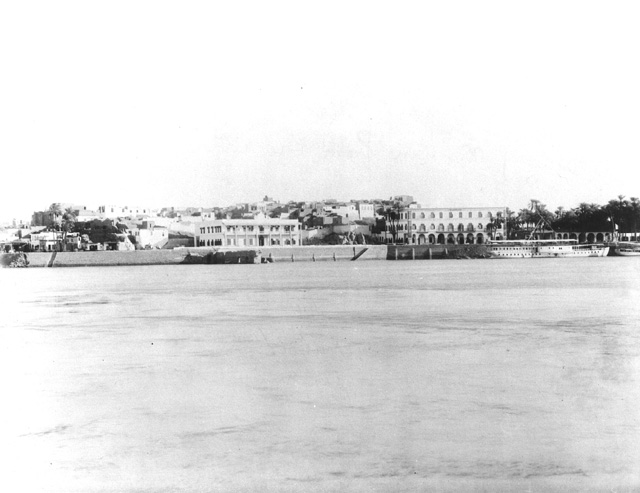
(493, 225)
(55, 214)
(67, 223)
(634, 204)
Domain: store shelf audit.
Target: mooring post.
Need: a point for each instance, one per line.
(396, 253)
(413, 254)
(313, 257)
(430, 253)
(292, 258)
(334, 256)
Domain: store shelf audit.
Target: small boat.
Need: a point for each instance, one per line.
(627, 250)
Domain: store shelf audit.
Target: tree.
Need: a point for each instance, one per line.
(391, 214)
(493, 225)
(55, 214)
(634, 206)
(67, 223)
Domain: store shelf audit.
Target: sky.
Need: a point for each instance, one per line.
(208, 104)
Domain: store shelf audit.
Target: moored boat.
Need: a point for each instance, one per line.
(626, 250)
(544, 249)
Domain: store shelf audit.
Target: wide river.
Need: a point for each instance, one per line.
(460, 375)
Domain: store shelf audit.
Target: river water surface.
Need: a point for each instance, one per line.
(470, 375)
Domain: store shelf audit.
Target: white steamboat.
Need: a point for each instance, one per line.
(544, 249)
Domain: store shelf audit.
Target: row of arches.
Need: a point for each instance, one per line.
(450, 227)
(441, 215)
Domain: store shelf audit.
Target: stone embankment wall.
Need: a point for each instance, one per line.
(318, 253)
(83, 259)
(433, 252)
(203, 255)
(197, 255)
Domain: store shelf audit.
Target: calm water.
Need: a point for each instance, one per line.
(499, 375)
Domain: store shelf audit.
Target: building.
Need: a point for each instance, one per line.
(115, 211)
(348, 210)
(150, 235)
(419, 225)
(366, 210)
(247, 232)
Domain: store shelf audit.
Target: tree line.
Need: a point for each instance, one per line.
(619, 214)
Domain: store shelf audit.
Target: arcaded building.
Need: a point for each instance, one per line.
(466, 225)
(248, 232)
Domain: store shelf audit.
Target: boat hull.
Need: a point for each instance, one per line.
(627, 252)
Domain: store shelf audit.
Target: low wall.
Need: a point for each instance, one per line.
(433, 252)
(317, 253)
(106, 258)
(197, 255)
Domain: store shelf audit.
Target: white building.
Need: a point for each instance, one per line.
(151, 236)
(460, 225)
(365, 210)
(114, 211)
(343, 209)
(247, 232)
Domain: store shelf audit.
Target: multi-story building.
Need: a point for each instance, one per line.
(365, 210)
(247, 232)
(461, 225)
(114, 211)
(344, 209)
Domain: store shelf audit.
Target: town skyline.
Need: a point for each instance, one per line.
(490, 104)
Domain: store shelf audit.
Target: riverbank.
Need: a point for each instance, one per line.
(230, 255)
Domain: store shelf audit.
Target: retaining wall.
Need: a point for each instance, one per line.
(433, 252)
(193, 255)
(318, 253)
(197, 255)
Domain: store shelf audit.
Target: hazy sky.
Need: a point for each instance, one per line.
(183, 103)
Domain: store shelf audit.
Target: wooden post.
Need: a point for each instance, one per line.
(413, 254)
(334, 256)
(430, 253)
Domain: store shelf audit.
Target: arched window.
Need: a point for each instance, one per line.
(460, 214)
(450, 227)
(450, 215)
(470, 214)
(489, 215)
(440, 226)
(422, 227)
(470, 227)
(422, 215)
(432, 226)
(440, 215)
(413, 226)
(479, 214)
(479, 226)
(432, 215)
(460, 227)
(413, 215)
